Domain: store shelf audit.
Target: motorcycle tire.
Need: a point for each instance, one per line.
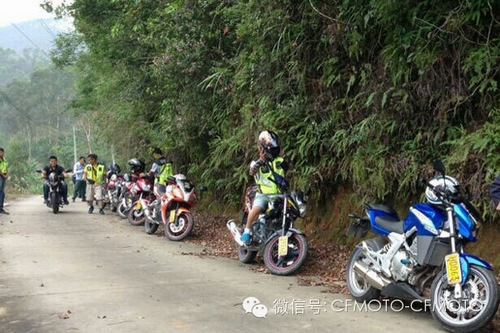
(150, 226)
(181, 228)
(289, 264)
(244, 255)
(136, 217)
(359, 288)
(122, 210)
(450, 312)
(54, 200)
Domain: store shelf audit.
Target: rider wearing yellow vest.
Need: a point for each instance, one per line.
(160, 170)
(265, 177)
(95, 175)
(266, 171)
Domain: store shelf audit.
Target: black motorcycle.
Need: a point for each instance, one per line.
(283, 248)
(55, 198)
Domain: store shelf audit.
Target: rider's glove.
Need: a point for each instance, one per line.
(254, 166)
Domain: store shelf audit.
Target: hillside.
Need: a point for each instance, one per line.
(32, 34)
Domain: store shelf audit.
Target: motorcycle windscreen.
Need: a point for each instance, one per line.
(426, 218)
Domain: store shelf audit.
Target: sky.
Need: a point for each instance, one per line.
(16, 11)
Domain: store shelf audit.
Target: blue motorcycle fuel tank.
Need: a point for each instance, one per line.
(426, 218)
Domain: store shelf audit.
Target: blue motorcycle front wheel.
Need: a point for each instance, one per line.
(474, 309)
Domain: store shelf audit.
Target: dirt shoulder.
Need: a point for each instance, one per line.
(325, 265)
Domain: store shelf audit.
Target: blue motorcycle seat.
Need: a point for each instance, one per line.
(390, 224)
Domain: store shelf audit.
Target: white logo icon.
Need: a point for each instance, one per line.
(259, 310)
(253, 305)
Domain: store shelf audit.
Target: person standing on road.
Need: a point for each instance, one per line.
(95, 176)
(79, 183)
(3, 179)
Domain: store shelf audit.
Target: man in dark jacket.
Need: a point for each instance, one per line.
(58, 170)
(495, 192)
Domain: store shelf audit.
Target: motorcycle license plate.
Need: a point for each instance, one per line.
(453, 270)
(137, 205)
(282, 246)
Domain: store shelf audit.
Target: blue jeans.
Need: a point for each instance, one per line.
(2, 192)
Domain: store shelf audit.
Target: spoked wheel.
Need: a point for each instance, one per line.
(359, 288)
(181, 228)
(136, 215)
(150, 226)
(289, 263)
(471, 312)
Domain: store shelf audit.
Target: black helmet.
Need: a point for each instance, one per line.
(136, 165)
(270, 142)
(114, 168)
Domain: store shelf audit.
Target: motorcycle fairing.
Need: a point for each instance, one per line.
(466, 225)
(466, 260)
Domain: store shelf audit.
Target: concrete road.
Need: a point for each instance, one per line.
(75, 272)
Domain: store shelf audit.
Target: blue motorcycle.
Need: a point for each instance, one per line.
(422, 257)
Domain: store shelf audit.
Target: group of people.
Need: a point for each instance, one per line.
(90, 178)
(89, 181)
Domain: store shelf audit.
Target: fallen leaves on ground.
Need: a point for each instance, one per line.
(325, 264)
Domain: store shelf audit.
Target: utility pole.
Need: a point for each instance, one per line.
(74, 144)
(113, 154)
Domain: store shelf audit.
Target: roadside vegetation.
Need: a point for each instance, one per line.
(364, 94)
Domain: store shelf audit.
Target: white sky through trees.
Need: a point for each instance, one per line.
(16, 11)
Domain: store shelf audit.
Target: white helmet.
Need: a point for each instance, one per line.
(180, 176)
(449, 184)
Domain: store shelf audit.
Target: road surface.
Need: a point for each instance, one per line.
(75, 272)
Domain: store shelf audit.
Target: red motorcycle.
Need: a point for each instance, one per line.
(175, 209)
(140, 190)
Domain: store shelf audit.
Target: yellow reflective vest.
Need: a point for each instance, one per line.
(263, 179)
(165, 171)
(3, 166)
(95, 173)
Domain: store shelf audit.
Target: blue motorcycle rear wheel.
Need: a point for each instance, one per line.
(358, 286)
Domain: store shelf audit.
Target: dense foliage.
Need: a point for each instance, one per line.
(364, 93)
